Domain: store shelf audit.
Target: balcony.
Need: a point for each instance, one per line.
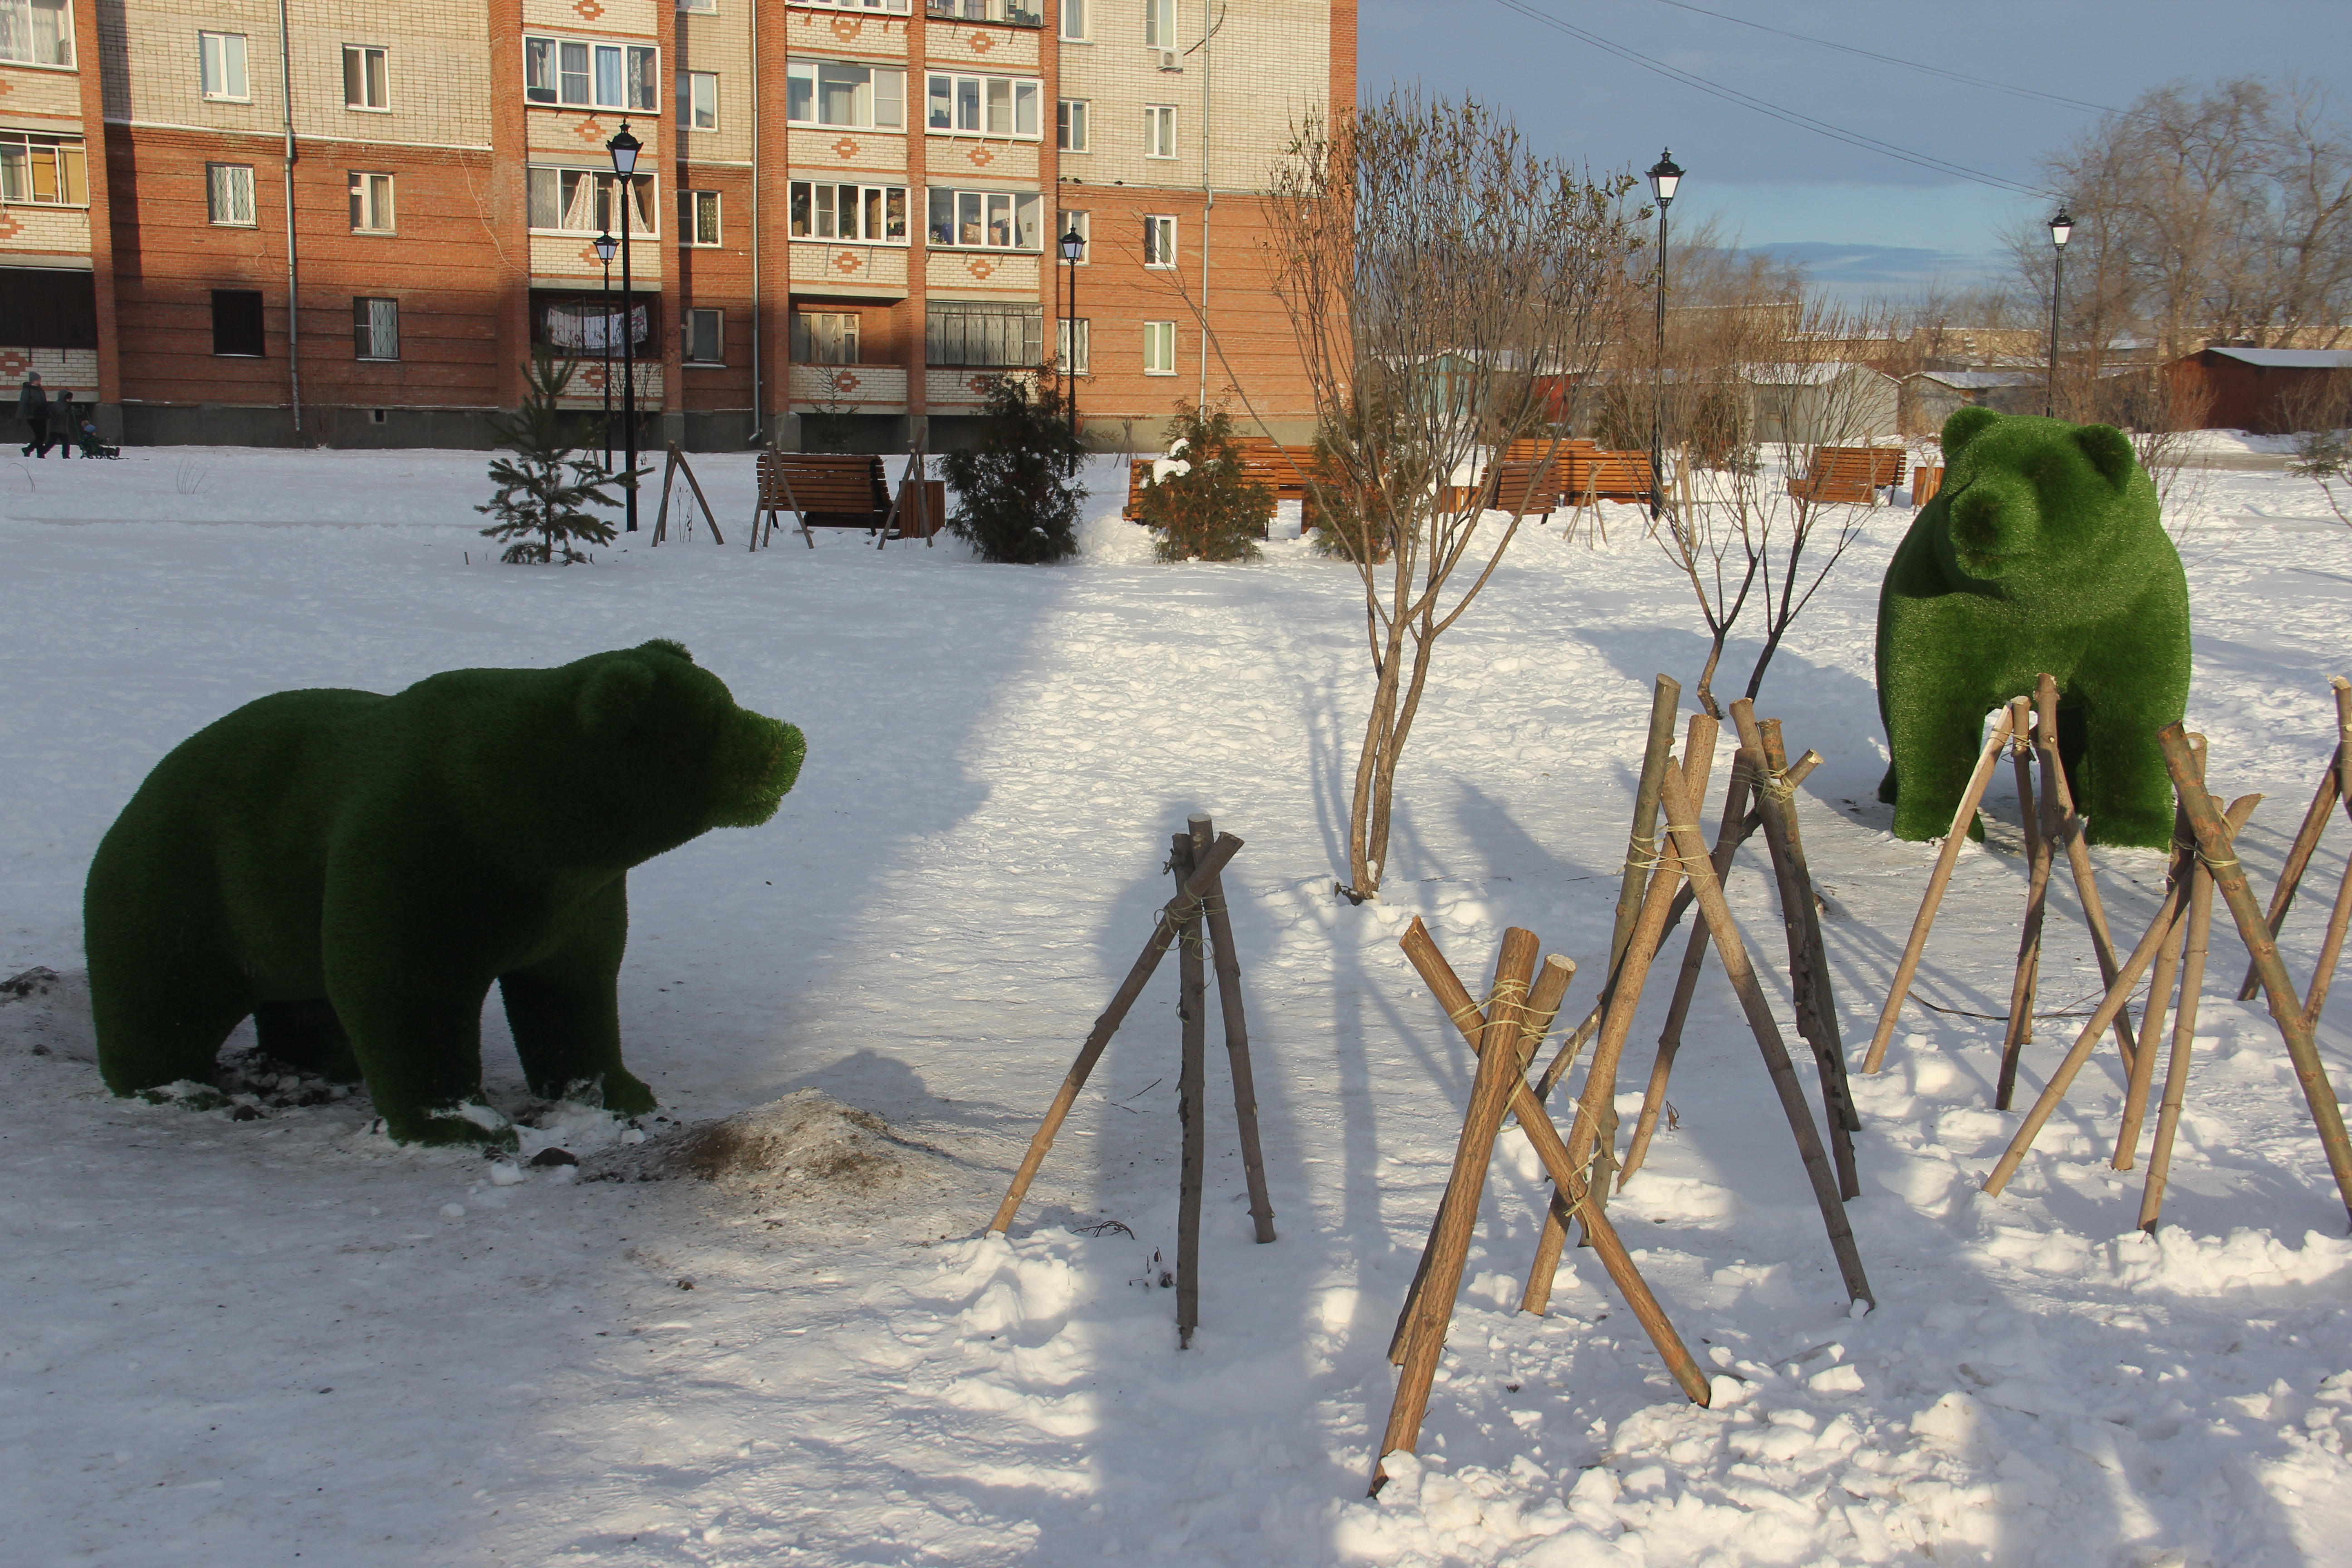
(1011, 12)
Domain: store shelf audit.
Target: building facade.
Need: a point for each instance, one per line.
(328, 222)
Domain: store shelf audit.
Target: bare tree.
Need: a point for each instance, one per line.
(1449, 289)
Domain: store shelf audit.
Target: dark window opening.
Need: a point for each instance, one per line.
(47, 308)
(237, 323)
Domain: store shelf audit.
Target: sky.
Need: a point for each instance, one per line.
(1863, 221)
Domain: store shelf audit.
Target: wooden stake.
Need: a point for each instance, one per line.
(1825, 1035)
(1543, 1006)
(2160, 990)
(1642, 842)
(2184, 1037)
(1946, 857)
(2215, 841)
(2060, 796)
(1490, 1095)
(1553, 1152)
(1237, 1051)
(2173, 908)
(2331, 952)
(1172, 916)
(2040, 811)
(2334, 784)
(1192, 1083)
(1731, 947)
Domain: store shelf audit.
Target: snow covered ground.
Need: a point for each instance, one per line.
(281, 1339)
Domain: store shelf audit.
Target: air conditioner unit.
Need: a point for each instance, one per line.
(1169, 62)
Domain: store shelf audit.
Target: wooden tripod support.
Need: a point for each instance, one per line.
(670, 470)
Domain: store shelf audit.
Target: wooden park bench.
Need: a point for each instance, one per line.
(1926, 481)
(1854, 474)
(823, 490)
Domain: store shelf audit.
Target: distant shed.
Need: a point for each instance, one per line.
(1932, 396)
(2249, 386)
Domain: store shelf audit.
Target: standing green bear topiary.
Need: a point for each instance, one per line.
(354, 871)
(2044, 551)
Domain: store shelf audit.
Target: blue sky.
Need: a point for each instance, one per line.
(1864, 221)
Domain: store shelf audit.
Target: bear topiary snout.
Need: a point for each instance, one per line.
(1993, 528)
(759, 761)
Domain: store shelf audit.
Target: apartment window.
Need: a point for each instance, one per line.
(824, 210)
(1074, 20)
(371, 204)
(1160, 241)
(1070, 347)
(579, 201)
(697, 99)
(1070, 125)
(698, 217)
(1159, 24)
(836, 93)
(986, 220)
(220, 63)
(1019, 13)
(1160, 348)
(825, 337)
(580, 73)
(1084, 224)
(366, 78)
(703, 337)
(896, 6)
(989, 105)
(1159, 130)
(985, 333)
(698, 8)
(228, 194)
(237, 323)
(36, 167)
(375, 329)
(36, 32)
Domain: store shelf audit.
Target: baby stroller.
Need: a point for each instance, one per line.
(91, 447)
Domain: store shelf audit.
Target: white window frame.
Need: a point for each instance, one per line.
(977, 208)
(1160, 348)
(374, 201)
(972, 97)
(897, 7)
(221, 74)
(697, 99)
(698, 8)
(1159, 130)
(1159, 24)
(641, 222)
(814, 206)
(380, 57)
(1070, 364)
(1074, 21)
(61, 34)
(883, 93)
(24, 152)
(690, 220)
(717, 319)
(1084, 222)
(374, 327)
(643, 80)
(1070, 117)
(1160, 252)
(222, 189)
(842, 331)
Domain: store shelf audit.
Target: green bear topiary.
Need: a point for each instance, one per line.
(2044, 551)
(354, 870)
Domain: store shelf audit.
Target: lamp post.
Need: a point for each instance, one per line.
(624, 148)
(1074, 245)
(1666, 178)
(606, 245)
(2061, 228)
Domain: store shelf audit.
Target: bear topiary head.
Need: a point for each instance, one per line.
(2023, 494)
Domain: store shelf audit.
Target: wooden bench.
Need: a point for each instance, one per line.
(823, 490)
(1596, 475)
(1925, 483)
(1850, 474)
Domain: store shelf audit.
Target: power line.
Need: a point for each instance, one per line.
(1786, 116)
(2060, 99)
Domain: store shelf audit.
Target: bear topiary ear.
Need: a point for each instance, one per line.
(664, 644)
(1964, 427)
(613, 696)
(2109, 449)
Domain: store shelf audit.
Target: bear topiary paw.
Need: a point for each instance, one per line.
(468, 1124)
(627, 1095)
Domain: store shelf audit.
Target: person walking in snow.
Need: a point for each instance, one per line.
(62, 422)
(33, 409)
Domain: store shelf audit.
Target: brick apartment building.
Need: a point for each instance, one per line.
(330, 222)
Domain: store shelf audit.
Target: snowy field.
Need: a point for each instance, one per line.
(229, 1341)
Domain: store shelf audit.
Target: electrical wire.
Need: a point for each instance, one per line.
(1773, 111)
(1963, 78)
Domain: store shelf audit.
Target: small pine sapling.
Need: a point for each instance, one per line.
(1017, 495)
(543, 487)
(1213, 510)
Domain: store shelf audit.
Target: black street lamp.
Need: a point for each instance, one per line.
(624, 148)
(1074, 245)
(1666, 178)
(606, 245)
(2061, 228)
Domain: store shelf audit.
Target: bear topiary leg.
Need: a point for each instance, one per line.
(564, 1010)
(164, 992)
(1936, 738)
(409, 992)
(2120, 781)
